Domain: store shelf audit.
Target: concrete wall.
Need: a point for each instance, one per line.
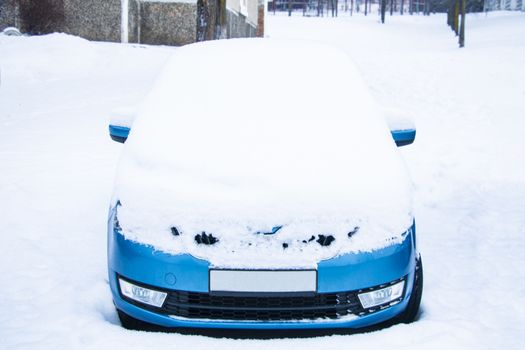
(253, 11)
(238, 26)
(250, 6)
(163, 23)
(93, 19)
(9, 16)
(242, 18)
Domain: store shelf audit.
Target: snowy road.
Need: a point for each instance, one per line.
(468, 165)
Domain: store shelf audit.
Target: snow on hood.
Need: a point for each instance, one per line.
(240, 136)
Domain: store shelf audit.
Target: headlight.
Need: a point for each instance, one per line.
(382, 296)
(141, 294)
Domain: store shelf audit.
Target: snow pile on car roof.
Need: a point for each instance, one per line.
(240, 136)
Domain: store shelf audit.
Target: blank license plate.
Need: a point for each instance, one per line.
(263, 281)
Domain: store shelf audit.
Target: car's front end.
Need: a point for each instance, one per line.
(281, 216)
(351, 291)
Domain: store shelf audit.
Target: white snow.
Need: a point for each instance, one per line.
(57, 164)
(123, 116)
(200, 160)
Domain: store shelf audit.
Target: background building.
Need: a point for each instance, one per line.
(168, 22)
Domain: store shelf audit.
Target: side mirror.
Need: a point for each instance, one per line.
(120, 123)
(118, 133)
(403, 137)
(402, 127)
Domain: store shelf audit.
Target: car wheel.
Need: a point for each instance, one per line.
(132, 323)
(411, 312)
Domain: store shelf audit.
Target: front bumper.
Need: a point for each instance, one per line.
(350, 272)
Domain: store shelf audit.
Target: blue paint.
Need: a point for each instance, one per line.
(404, 137)
(119, 133)
(276, 228)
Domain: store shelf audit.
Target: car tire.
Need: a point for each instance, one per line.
(132, 323)
(411, 312)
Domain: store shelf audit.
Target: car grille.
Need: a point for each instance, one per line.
(262, 307)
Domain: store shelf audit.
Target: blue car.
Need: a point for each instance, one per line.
(255, 206)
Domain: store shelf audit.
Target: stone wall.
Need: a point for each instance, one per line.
(149, 21)
(162, 23)
(90, 19)
(9, 16)
(39, 17)
(93, 19)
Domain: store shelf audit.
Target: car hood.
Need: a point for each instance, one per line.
(305, 150)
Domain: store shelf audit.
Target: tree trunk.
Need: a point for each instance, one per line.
(450, 14)
(333, 5)
(383, 10)
(366, 7)
(351, 7)
(462, 26)
(456, 16)
(401, 7)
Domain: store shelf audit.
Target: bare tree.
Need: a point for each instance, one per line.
(333, 5)
(456, 16)
(383, 10)
(462, 26)
(426, 8)
(450, 14)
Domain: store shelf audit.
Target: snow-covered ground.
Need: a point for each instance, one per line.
(57, 168)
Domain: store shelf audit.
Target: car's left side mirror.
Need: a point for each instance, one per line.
(403, 137)
(402, 127)
(120, 123)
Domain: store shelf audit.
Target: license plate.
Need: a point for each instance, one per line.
(263, 281)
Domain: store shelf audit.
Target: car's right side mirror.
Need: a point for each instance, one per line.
(120, 123)
(401, 126)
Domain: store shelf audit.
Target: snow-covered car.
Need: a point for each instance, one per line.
(260, 187)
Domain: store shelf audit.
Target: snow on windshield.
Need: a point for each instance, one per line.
(241, 136)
